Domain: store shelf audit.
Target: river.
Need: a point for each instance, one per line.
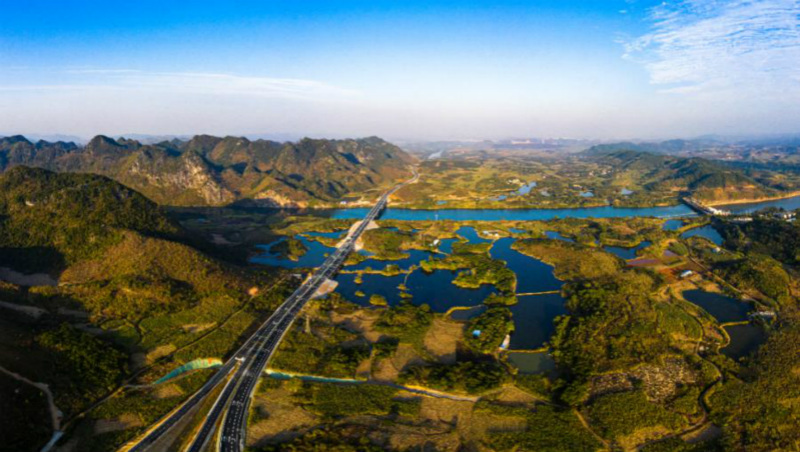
(533, 315)
(679, 210)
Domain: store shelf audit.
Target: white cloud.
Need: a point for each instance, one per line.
(193, 83)
(751, 48)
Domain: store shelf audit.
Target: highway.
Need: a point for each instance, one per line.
(249, 362)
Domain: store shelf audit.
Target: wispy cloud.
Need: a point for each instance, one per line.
(702, 46)
(194, 83)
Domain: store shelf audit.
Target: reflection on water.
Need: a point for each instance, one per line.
(414, 258)
(446, 245)
(469, 233)
(721, 307)
(532, 363)
(437, 290)
(467, 314)
(314, 257)
(533, 315)
(745, 339)
(707, 231)
(331, 234)
(672, 225)
(626, 253)
(525, 189)
(370, 284)
(533, 320)
(553, 235)
(518, 214)
(786, 204)
(533, 275)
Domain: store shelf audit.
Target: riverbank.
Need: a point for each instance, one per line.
(793, 194)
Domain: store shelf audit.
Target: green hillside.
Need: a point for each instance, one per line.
(49, 221)
(215, 171)
(658, 173)
(133, 300)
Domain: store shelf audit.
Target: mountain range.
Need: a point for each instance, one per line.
(212, 171)
(709, 180)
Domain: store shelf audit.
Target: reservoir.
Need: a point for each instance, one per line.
(626, 253)
(707, 232)
(518, 214)
(721, 307)
(745, 339)
(678, 210)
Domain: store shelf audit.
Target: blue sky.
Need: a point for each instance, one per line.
(401, 69)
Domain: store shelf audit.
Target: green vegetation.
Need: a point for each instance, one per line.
(224, 170)
(141, 406)
(481, 269)
(678, 248)
(405, 321)
(385, 347)
(388, 244)
(761, 412)
(290, 248)
(571, 261)
(622, 308)
(83, 367)
(760, 273)
(49, 221)
(477, 180)
(327, 439)
(622, 414)
(549, 429)
(343, 400)
(777, 239)
(378, 300)
(321, 353)
(679, 445)
(471, 377)
(493, 325)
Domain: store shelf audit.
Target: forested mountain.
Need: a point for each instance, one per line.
(129, 288)
(209, 170)
(704, 179)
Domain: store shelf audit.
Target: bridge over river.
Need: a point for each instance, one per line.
(239, 375)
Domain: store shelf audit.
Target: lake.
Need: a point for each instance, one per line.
(745, 339)
(626, 253)
(533, 315)
(532, 363)
(706, 231)
(721, 307)
(314, 257)
(672, 225)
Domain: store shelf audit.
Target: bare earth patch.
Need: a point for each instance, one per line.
(160, 351)
(283, 417)
(167, 391)
(388, 369)
(361, 321)
(124, 422)
(629, 443)
(198, 327)
(442, 339)
(512, 394)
